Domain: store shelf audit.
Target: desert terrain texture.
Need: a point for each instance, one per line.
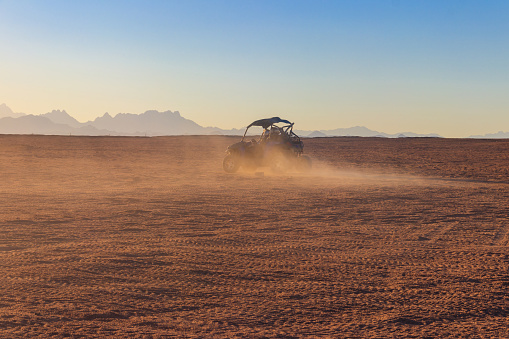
(128, 237)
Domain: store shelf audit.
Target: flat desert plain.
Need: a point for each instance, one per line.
(130, 237)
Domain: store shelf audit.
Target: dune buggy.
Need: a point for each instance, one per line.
(278, 148)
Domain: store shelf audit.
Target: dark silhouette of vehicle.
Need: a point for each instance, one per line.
(278, 148)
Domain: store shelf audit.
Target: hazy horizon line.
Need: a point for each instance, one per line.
(431, 134)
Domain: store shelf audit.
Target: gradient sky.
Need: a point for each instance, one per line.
(393, 66)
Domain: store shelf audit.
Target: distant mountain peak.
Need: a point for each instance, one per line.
(317, 134)
(151, 122)
(498, 135)
(6, 111)
(105, 116)
(58, 112)
(62, 117)
(154, 112)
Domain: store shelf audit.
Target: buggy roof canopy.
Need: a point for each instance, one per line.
(266, 123)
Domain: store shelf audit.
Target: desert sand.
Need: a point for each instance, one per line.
(148, 238)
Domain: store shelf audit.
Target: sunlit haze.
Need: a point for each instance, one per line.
(392, 66)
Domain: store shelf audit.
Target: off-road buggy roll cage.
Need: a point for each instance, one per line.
(269, 125)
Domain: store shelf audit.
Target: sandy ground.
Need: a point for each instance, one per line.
(149, 238)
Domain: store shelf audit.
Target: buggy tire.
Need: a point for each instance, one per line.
(231, 163)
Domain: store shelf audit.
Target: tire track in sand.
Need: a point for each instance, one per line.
(501, 237)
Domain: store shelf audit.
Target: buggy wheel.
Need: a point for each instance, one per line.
(231, 163)
(303, 164)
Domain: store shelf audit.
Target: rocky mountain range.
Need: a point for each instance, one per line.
(154, 123)
(498, 135)
(57, 122)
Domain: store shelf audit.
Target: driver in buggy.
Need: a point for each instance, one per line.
(272, 135)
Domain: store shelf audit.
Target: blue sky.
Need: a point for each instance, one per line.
(393, 66)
